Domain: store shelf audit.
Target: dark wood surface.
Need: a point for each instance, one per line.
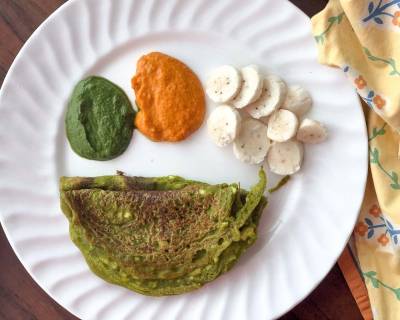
(21, 298)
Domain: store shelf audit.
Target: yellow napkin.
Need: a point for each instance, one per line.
(362, 37)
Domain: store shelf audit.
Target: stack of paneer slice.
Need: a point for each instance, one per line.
(262, 117)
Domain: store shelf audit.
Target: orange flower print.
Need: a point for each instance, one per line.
(375, 211)
(379, 101)
(396, 19)
(360, 82)
(383, 239)
(361, 228)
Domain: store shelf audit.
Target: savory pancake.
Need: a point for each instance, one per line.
(160, 236)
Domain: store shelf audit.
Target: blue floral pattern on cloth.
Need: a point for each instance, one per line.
(383, 13)
(373, 99)
(374, 226)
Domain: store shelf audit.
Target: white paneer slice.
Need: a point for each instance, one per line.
(223, 125)
(311, 131)
(298, 100)
(223, 84)
(272, 96)
(282, 125)
(285, 157)
(252, 144)
(252, 84)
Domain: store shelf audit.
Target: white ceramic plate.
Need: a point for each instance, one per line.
(307, 223)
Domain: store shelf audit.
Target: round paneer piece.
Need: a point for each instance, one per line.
(223, 125)
(252, 144)
(223, 84)
(285, 157)
(298, 100)
(273, 93)
(252, 84)
(282, 125)
(311, 131)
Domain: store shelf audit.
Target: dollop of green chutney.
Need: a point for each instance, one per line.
(99, 120)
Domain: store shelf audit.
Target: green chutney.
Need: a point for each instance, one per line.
(99, 120)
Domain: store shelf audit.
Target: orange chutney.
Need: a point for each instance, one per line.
(169, 96)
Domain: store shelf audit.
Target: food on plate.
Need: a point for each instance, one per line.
(282, 125)
(280, 184)
(99, 119)
(311, 131)
(298, 100)
(277, 109)
(285, 157)
(160, 236)
(223, 125)
(273, 94)
(252, 144)
(169, 96)
(252, 84)
(223, 84)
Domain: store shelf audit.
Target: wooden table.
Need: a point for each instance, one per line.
(21, 298)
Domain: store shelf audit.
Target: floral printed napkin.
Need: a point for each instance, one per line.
(362, 37)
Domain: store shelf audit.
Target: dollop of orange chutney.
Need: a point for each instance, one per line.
(169, 96)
